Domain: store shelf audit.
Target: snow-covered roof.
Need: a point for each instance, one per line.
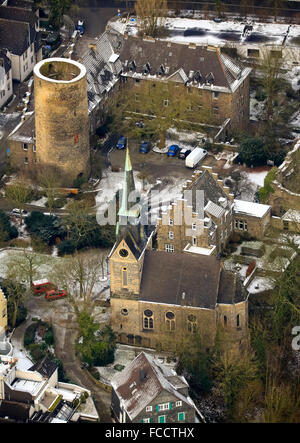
(214, 210)
(292, 215)
(250, 208)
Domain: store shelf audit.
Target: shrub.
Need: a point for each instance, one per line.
(29, 335)
(251, 151)
(267, 188)
(66, 247)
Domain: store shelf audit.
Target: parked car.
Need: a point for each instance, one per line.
(195, 157)
(80, 27)
(55, 294)
(184, 153)
(173, 150)
(139, 124)
(122, 143)
(17, 212)
(42, 286)
(217, 19)
(145, 147)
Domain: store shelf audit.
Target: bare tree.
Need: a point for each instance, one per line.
(50, 181)
(270, 68)
(18, 193)
(79, 276)
(152, 15)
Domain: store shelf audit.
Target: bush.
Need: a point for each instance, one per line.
(7, 230)
(251, 151)
(267, 188)
(57, 203)
(29, 335)
(46, 227)
(66, 247)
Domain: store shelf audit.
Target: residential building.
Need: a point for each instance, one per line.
(20, 41)
(36, 395)
(217, 83)
(6, 86)
(149, 392)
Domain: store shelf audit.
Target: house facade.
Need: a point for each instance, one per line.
(6, 86)
(149, 392)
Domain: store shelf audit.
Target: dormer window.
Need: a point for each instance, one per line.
(132, 66)
(198, 77)
(161, 70)
(210, 78)
(147, 68)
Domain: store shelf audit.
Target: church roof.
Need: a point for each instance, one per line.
(187, 280)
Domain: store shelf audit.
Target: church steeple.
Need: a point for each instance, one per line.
(129, 211)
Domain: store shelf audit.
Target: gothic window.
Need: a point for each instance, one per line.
(148, 322)
(170, 321)
(124, 276)
(192, 324)
(171, 235)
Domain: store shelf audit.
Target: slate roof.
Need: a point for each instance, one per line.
(25, 4)
(143, 380)
(198, 65)
(16, 36)
(101, 74)
(18, 14)
(25, 131)
(187, 280)
(45, 367)
(212, 190)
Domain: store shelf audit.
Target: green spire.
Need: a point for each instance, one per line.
(128, 166)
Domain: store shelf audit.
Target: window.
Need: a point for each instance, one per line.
(238, 321)
(31, 59)
(253, 52)
(166, 102)
(181, 416)
(33, 148)
(215, 95)
(171, 235)
(164, 407)
(171, 222)
(192, 324)
(148, 408)
(148, 319)
(162, 419)
(242, 225)
(26, 160)
(169, 248)
(124, 311)
(4, 312)
(170, 321)
(194, 226)
(225, 320)
(124, 276)
(216, 110)
(25, 146)
(194, 239)
(147, 420)
(178, 403)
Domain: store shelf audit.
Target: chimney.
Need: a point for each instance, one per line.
(92, 46)
(183, 299)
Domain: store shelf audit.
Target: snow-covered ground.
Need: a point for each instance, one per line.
(186, 30)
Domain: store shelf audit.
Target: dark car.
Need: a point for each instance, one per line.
(184, 153)
(173, 150)
(122, 143)
(217, 19)
(145, 147)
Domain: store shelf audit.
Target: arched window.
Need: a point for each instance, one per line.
(170, 321)
(124, 276)
(148, 322)
(192, 324)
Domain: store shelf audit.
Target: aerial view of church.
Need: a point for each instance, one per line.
(149, 214)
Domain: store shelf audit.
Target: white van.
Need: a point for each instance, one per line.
(195, 157)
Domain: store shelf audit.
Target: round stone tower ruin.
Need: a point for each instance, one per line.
(61, 119)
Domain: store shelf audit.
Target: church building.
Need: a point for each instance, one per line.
(159, 299)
